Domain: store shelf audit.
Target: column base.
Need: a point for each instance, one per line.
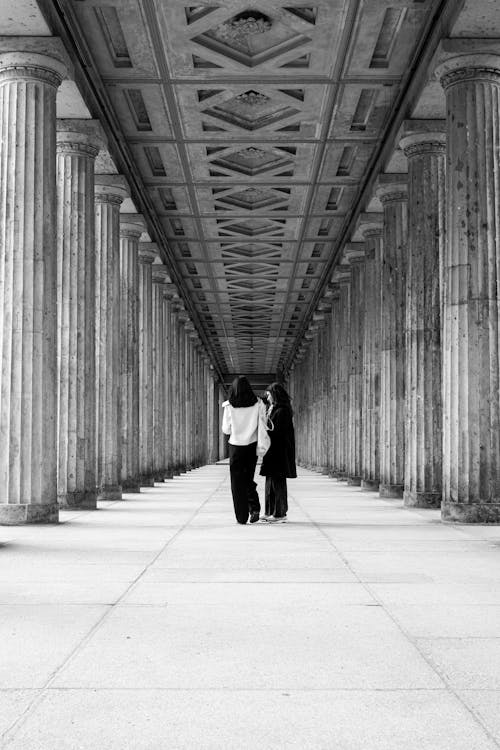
(80, 500)
(17, 514)
(109, 493)
(354, 481)
(422, 499)
(131, 485)
(391, 490)
(370, 484)
(159, 476)
(470, 512)
(147, 480)
(169, 474)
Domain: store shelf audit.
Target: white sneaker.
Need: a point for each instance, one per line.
(272, 519)
(265, 518)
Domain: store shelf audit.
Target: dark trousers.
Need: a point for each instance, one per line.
(242, 462)
(276, 497)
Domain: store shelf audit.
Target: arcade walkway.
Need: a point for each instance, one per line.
(159, 623)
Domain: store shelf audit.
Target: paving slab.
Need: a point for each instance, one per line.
(245, 720)
(35, 640)
(237, 647)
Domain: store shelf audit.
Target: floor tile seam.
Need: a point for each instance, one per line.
(440, 673)
(9, 734)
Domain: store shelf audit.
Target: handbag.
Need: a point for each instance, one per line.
(263, 439)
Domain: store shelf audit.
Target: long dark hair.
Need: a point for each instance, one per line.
(279, 396)
(241, 393)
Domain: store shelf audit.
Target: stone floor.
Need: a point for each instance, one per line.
(159, 623)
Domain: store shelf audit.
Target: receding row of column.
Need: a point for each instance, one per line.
(104, 384)
(414, 318)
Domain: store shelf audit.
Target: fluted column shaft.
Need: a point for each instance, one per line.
(182, 392)
(78, 143)
(160, 278)
(110, 190)
(176, 386)
(426, 215)
(471, 408)
(344, 358)
(130, 233)
(370, 429)
(355, 255)
(394, 199)
(169, 384)
(334, 381)
(146, 258)
(28, 384)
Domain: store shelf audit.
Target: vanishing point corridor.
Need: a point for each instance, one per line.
(309, 197)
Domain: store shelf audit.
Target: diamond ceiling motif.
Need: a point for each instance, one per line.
(253, 198)
(251, 110)
(251, 38)
(253, 161)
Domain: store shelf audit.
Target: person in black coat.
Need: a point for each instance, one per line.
(279, 461)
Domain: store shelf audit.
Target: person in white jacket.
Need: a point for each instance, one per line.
(244, 420)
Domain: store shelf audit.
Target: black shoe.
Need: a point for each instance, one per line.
(254, 517)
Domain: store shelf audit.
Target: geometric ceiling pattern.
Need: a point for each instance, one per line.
(250, 126)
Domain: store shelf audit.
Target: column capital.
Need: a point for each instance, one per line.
(475, 66)
(171, 292)
(423, 137)
(341, 274)
(78, 136)
(330, 290)
(160, 274)
(132, 225)
(110, 188)
(354, 252)
(148, 251)
(371, 224)
(35, 58)
(392, 188)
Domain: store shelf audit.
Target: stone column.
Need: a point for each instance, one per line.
(471, 409)
(160, 279)
(189, 379)
(354, 254)
(183, 318)
(131, 228)
(28, 383)
(393, 193)
(175, 380)
(371, 227)
(78, 143)
(147, 254)
(169, 384)
(342, 276)
(110, 191)
(334, 380)
(426, 214)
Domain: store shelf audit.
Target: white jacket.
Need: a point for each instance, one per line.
(242, 423)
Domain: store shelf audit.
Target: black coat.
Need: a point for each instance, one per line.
(280, 458)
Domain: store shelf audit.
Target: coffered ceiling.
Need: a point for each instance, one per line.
(250, 128)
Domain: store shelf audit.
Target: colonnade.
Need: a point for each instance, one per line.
(404, 349)
(104, 383)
